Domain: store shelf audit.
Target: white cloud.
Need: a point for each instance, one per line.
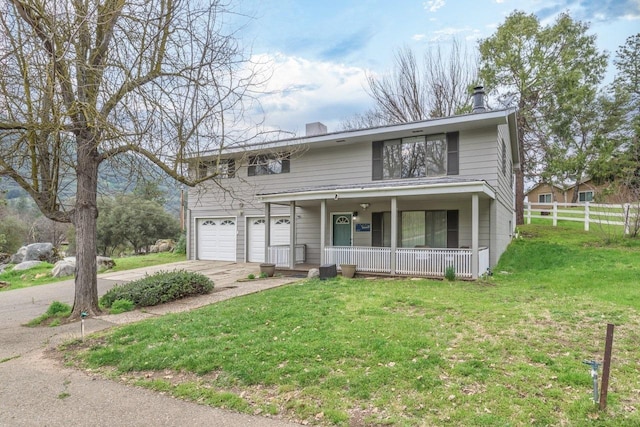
(433, 5)
(302, 91)
(418, 37)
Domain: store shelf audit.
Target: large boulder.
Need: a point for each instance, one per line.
(41, 252)
(163, 245)
(67, 266)
(25, 265)
(18, 257)
(64, 267)
(4, 257)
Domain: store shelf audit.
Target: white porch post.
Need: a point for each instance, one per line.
(475, 233)
(323, 229)
(267, 231)
(292, 235)
(394, 233)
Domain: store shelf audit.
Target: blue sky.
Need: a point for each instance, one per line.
(320, 51)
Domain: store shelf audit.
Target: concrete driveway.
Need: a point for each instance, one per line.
(38, 391)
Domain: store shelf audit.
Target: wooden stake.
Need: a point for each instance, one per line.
(605, 367)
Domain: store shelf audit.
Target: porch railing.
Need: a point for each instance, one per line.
(368, 259)
(409, 261)
(279, 255)
(433, 262)
(483, 261)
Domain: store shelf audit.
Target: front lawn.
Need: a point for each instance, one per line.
(41, 274)
(508, 350)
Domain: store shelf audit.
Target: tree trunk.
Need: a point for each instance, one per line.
(85, 220)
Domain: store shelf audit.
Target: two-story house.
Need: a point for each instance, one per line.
(406, 199)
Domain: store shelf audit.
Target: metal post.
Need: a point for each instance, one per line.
(606, 366)
(594, 376)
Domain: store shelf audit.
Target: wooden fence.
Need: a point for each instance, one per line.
(626, 215)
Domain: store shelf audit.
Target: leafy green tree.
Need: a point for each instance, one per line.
(526, 65)
(128, 220)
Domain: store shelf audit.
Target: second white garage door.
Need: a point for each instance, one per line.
(280, 233)
(217, 239)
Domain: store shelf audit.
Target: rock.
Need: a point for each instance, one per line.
(4, 284)
(18, 257)
(313, 273)
(105, 263)
(4, 258)
(64, 268)
(163, 245)
(26, 265)
(41, 252)
(2, 267)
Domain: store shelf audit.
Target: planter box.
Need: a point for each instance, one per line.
(268, 269)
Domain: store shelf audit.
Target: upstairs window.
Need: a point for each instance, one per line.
(222, 168)
(416, 157)
(269, 164)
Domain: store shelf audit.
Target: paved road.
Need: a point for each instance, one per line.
(36, 390)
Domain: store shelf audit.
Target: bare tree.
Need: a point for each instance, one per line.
(85, 81)
(438, 87)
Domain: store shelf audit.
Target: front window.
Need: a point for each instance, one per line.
(415, 157)
(220, 168)
(419, 229)
(268, 164)
(585, 196)
(544, 198)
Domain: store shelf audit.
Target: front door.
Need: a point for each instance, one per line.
(341, 230)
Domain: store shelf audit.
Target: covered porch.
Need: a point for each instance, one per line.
(316, 215)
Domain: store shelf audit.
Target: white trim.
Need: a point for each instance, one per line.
(398, 191)
(425, 127)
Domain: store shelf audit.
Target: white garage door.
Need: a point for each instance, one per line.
(280, 232)
(217, 239)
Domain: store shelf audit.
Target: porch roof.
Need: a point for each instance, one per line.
(386, 188)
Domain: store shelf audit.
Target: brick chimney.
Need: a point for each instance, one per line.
(315, 128)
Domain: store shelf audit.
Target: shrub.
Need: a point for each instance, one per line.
(251, 276)
(121, 305)
(159, 288)
(58, 307)
(181, 246)
(450, 273)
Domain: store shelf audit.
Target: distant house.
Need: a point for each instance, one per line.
(546, 193)
(588, 191)
(407, 199)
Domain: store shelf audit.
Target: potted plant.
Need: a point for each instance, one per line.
(268, 269)
(348, 270)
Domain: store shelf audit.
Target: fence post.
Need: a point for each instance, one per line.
(555, 214)
(627, 219)
(528, 212)
(586, 216)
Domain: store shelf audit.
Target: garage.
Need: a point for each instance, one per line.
(280, 232)
(217, 239)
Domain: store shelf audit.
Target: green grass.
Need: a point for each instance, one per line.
(504, 351)
(42, 274)
(55, 314)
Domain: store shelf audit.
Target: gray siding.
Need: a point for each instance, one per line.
(341, 164)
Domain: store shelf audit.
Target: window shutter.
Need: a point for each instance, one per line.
(452, 229)
(376, 229)
(231, 168)
(286, 163)
(452, 153)
(377, 160)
